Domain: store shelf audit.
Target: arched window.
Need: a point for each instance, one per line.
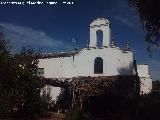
(98, 65)
(99, 38)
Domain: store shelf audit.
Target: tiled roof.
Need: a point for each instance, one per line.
(57, 54)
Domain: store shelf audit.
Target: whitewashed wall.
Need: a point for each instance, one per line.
(115, 62)
(145, 79)
(52, 92)
(146, 85)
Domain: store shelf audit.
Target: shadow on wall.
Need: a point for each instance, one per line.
(130, 70)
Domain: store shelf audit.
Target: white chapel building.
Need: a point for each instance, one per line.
(95, 60)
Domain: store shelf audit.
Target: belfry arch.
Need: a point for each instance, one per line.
(100, 24)
(99, 34)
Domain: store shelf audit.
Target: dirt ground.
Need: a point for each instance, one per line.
(54, 116)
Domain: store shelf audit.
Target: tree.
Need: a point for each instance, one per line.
(19, 84)
(148, 11)
(6, 76)
(156, 86)
(27, 84)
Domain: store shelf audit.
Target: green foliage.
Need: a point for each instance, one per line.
(27, 84)
(64, 100)
(6, 75)
(148, 11)
(19, 85)
(76, 113)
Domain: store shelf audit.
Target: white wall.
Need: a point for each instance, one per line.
(52, 92)
(115, 62)
(145, 79)
(145, 85)
(143, 70)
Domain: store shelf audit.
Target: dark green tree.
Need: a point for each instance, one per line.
(148, 11)
(19, 84)
(6, 76)
(155, 86)
(27, 84)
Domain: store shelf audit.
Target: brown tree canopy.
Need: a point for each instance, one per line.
(148, 11)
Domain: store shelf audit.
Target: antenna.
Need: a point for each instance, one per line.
(113, 43)
(74, 43)
(127, 47)
(87, 44)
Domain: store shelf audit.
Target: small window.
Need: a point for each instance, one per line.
(40, 72)
(98, 65)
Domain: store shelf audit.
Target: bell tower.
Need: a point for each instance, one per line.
(103, 25)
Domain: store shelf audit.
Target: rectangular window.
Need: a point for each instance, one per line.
(40, 72)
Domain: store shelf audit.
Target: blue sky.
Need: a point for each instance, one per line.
(52, 27)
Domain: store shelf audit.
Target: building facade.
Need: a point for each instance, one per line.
(101, 57)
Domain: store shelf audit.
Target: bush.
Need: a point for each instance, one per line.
(76, 113)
